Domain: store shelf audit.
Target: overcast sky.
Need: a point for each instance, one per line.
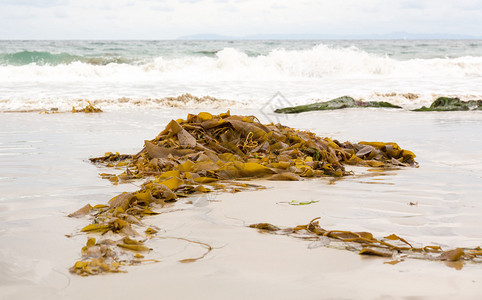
(169, 19)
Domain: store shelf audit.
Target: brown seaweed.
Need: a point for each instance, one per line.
(392, 246)
(89, 108)
(207, 153)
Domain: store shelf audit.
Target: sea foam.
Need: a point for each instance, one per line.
(230, 64)
(319, 72)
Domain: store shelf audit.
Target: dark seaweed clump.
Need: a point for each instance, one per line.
(338, 103)
(440, 104)
(452, 104)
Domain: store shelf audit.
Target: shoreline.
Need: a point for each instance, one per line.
(199, 100)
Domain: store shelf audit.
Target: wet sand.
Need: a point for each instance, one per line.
(45, 174)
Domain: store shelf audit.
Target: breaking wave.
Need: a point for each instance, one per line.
(42, 58)
(42, 80)
(62, 105)
(230, 64)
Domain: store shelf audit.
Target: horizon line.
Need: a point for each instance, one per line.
(277, 36)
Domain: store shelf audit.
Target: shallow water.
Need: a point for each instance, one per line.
(45, 174)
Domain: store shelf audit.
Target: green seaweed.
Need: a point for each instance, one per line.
(297, 202)
(452, 104)
(382, 104)
(337, 103)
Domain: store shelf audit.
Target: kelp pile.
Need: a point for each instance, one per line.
(208, 148)
(207, 153)
(392, 246)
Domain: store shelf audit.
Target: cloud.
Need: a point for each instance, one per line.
(36, 3)
(278, 6)
(165, 8)
(412, 5)
(159, 19)
(230, 8)
(470, 5)
(61, 13)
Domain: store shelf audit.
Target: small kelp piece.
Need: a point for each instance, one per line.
(452, 255)
(337, 103)
(151, 231)
(107, 256)
(85, 210)
(89, 108)
(110, 158)
(97, 257)
(376, 252)
(452, 104)
(186, 140)
(265, 226)
(122, 201)
(133, 245)
(395, 237)
(366, 244)
(96, 228)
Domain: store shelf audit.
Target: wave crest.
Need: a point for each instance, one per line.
(230, 64)
(185, 100)
(42, 58)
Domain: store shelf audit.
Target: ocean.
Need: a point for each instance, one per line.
(45, 172)
(121, 74)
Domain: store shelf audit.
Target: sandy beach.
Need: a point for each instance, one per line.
(45, 175)
(231, 150)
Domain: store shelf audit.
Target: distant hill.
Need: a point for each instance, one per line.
(207, 37)
(389, 36)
